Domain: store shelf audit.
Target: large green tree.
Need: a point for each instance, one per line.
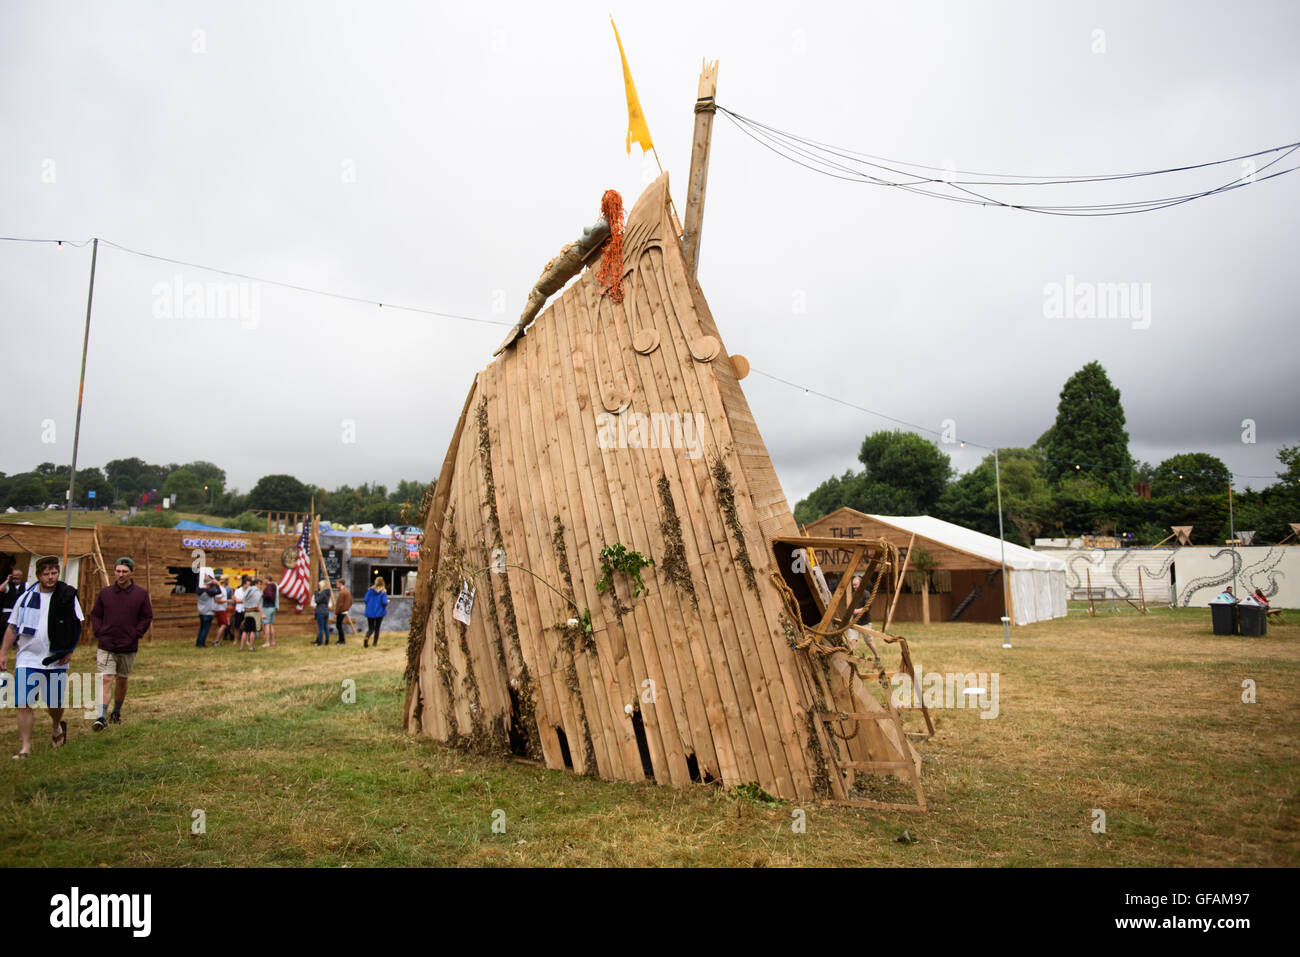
(93, 480)
(836, 492)
(280, 493)
(186, 486)
(213, 476)
(912, 469)
(131, 476)
(1289, 455)
(28, 490)
(1027, 504)
(903, 474)
(1190, 474)
(1089, 431)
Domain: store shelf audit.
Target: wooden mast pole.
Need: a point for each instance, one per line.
(76, 432)
(898, 582)
(310, 518)
(705, 106)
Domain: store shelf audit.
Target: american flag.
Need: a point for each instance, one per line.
(295, 583)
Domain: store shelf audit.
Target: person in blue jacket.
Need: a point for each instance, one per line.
(376, 608)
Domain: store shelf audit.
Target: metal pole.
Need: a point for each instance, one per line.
(1232, 530)
(1006, 619)
(76, 434)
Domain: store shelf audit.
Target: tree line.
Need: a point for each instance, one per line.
(1078, 478)
(201, 487)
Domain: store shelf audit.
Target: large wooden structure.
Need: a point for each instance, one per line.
(610, 424)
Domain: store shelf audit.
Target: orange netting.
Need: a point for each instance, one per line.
(610, 272)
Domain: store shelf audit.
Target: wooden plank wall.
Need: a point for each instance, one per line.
(708, 689)
(155, 550)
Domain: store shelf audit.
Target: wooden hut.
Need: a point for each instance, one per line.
(21, 544)
(965, 583)
(167, 562)
(611, 428)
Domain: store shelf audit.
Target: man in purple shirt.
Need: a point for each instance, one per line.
(121, 616)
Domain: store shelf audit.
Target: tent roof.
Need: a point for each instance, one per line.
(968, 540)
(186, 525)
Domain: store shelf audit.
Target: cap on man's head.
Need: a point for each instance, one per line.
(125, 560)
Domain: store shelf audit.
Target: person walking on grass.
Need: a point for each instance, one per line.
(237, 621)
(376, 608)
(221, 609)
(14, 585)
(322, 600)
(207, 606)
(342, 602)
(121, 616)
(252, 614)
(269, 595)
(46, 613)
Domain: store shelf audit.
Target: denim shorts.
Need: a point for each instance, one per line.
(47, 686)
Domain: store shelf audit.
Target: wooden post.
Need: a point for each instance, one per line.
(898, 585)
(148, 573)
(324, 571)
(310, 517)
(103, 569)
(76, 432)
(1091, 611)
(1142, 596)
(705, 107)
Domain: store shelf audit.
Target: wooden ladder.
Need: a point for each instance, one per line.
(842, 765)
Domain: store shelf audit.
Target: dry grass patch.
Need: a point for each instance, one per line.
(1141, 717)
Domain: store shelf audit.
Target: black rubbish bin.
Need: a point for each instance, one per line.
(1224, 617)
(1252, 619)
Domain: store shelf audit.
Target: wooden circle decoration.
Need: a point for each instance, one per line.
(705, 348)
(646, 341)
(741, 365)
(617, 399)
(289, 557)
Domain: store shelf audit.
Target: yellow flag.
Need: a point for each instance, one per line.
(637, 131)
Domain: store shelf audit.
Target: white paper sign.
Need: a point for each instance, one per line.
(464, 603)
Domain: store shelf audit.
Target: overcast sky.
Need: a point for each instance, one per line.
(438, 155)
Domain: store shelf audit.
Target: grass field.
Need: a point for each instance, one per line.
(1141, 717)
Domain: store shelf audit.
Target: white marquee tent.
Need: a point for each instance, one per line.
(1038, 591)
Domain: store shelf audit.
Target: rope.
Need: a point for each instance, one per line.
(813, 640)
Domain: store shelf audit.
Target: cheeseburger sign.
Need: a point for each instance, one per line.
(216, 544)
